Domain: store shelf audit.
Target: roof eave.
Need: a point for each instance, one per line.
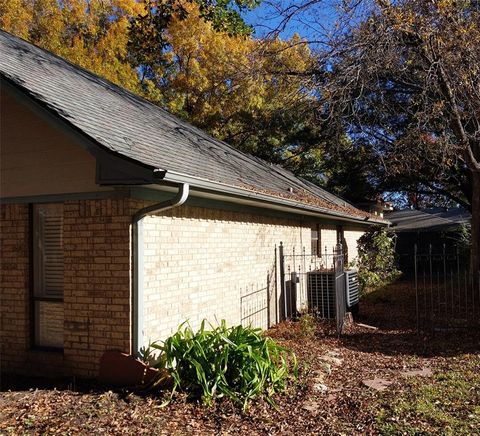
(267, 200)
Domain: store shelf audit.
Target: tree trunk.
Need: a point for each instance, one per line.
(475, 251)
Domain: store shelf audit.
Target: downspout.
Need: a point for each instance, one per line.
(137, 244)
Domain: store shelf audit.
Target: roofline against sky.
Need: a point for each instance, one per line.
(152, 174)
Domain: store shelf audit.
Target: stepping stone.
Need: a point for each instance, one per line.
(379, 384)
(367, 326)
(332, 359)
(424, 372)
(311, 407)
(320, 387)
(326, 368)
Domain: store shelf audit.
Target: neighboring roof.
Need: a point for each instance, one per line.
(133, 128)
(428, 220)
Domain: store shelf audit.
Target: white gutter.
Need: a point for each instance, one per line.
(217, 190)
(137, 261)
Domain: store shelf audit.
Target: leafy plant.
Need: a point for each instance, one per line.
(234, 362)
(462, 238)
(148, 356)
(307, 325)
(376, 259)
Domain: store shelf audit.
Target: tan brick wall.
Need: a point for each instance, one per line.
(329, 238)
(351, 237)
(199, 262)
(96, 304)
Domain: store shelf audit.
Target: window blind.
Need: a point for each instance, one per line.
(49, 266)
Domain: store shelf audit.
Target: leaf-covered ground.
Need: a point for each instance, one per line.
(328, 398)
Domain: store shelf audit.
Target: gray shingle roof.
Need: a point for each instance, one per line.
(132, 127)
(426, 220)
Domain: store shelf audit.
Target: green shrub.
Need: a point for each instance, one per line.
(235, 362)
(461, 237)
(376, 259)
(308, 325)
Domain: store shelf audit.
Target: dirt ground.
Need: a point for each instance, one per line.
(387, 380)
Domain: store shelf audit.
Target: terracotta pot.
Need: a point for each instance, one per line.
(120, 369)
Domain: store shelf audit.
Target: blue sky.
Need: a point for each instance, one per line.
(309, 24)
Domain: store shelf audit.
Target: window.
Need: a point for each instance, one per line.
(48, 275)
(316, 239)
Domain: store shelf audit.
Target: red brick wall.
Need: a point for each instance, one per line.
(14, 285)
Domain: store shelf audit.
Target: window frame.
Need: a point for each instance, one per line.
(34, 299)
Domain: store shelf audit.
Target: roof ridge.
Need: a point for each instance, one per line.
(185, 124)
(137, 129)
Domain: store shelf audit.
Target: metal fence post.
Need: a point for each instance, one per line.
(340, 297)
(416, 287)
(276, 286)
(444, 256)
(268, 300)
(282, 277)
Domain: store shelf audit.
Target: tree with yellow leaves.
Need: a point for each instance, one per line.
(196, 58)
(239, 88)
(89, 33)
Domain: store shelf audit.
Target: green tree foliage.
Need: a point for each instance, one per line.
(350, 171)
(148, 39)
(246, 91)
(376, 259)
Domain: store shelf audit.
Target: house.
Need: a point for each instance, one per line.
(433, 229)
(378, 206)
(119, 221)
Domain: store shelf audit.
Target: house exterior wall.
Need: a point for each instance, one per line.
(352, 235)
(14, 285)
(37, 158)
(200, 263)
(328, 238)
(97, 295)
(96, 301)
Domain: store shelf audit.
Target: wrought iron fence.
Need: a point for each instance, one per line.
(255, 307)
(340, 294)
(447, 292)
(313, 283)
